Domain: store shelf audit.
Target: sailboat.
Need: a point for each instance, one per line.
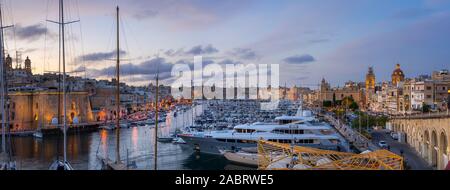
(63, 164)
(6, 159)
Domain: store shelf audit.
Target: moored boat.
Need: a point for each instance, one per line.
(241, 157)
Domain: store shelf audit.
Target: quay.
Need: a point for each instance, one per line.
(56, 129)
(359, 141)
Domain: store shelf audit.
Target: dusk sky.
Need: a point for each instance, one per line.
(310, 39)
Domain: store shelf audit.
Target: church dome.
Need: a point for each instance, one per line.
(398, 71)
(397, 75)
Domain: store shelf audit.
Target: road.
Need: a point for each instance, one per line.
(410, 155)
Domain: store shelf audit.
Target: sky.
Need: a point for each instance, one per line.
(310, 39)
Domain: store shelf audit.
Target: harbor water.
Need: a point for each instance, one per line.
(136, 145)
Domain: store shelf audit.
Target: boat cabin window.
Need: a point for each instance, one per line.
(286, 141)
(245, 130)
(284, 121)
(305, 141)
(227, 140)
(289, 131)
(246, 141)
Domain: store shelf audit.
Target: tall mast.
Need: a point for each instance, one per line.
(156, 119)
(118, 93)
(3, 86)
(62, 55)
(64, 78)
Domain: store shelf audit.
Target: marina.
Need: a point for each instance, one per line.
(136, 146)
(92, 150)
(163, 105)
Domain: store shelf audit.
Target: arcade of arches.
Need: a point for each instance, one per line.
(428, 136)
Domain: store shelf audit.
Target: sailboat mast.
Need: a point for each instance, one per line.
(156, 120)
(3, 86)
(118, 93)
(63, 48)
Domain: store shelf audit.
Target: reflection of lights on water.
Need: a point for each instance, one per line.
(104, 140)
(135, 137)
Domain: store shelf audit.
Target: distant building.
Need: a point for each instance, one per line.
(32, 109)
(442, 75)
(350, 89)
(18, 76)
(431, 93)
(370, 79)
(397, 75)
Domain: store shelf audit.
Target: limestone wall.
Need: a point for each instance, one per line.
(428, 136)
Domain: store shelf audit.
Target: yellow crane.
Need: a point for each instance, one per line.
(278, 156)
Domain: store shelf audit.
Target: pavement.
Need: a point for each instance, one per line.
(359, 141)
(410, 155)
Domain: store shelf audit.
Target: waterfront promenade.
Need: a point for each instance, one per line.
(359, 141)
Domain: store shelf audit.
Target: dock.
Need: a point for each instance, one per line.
(56, 130)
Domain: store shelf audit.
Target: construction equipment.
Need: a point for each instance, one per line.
(278, 156)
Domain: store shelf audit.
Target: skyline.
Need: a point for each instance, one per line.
(309, 39)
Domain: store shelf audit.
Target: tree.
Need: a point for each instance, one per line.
(334, 98)
(327, 104)
(354, 106)
(426, 108)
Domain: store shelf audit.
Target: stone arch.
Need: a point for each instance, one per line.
(443, 147)
(434, 149)
(426, 145)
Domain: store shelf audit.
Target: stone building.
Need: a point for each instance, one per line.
(398, 75)
(428, 135)
(370, 79)
(351, 89)
(18, 76)
(370, 89)
(32, 109)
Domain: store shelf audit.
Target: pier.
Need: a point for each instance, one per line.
(359, 141)
(427, 134)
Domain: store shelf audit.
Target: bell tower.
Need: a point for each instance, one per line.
(28, 65)
(370, 79)
(8, 63)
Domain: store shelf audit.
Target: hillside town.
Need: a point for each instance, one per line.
(401, 95)
(34, 98)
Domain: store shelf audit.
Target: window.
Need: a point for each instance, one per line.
(246, 141)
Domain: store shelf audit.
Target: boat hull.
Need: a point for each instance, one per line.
(213, 146)
(248, 159)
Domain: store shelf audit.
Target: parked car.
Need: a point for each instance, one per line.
(383, 144)
(394, 136)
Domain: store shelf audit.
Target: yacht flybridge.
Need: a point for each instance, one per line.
(301, 130)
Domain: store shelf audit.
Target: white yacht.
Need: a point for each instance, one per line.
(300, 130)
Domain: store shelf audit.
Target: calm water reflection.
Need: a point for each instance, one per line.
(137, 144)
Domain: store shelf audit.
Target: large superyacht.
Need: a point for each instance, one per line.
(303, 129)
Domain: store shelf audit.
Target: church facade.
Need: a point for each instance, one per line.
(18, 76)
